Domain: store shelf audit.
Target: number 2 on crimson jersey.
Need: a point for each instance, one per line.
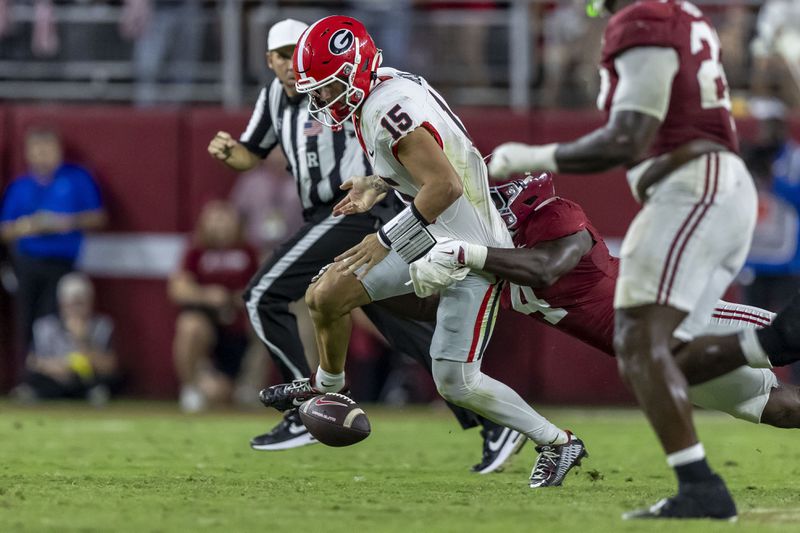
(711, 76)
(400, 119)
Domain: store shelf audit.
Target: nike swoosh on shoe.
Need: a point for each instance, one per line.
(296, 429)
(497, 444)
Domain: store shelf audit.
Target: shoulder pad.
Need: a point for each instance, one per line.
(641, 24)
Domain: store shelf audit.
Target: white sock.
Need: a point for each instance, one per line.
(562, 438)
(327, 382)
(688, 455)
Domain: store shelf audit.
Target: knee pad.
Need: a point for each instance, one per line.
(456, 382)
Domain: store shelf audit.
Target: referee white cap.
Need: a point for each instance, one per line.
(285, 33)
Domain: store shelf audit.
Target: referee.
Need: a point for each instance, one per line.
(319, 159)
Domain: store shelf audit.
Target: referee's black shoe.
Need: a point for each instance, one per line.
(289, 433)
(499, 445)
(706, 499)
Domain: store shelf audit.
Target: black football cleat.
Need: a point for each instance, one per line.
(499, 445)
(289, 433)
(555, 461)
(288, 395)
(708, 499)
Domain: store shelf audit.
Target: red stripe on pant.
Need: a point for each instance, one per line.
(724, 311)
(708, 204)
(677, 238)
(663, 297)
(476, 330)
(762, 323)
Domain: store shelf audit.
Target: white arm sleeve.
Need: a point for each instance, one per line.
(645, 80)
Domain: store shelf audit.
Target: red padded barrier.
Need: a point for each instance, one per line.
(145, 323)
(206, 178)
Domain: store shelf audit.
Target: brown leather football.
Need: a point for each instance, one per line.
(335, 419)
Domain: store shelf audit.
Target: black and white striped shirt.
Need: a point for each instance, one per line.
(319, 158)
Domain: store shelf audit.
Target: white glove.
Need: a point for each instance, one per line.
(438, 270)
(516, 158)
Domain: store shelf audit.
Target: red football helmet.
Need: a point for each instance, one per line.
(335, 49)
(516, 200)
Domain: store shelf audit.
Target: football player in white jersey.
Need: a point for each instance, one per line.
(419, 148)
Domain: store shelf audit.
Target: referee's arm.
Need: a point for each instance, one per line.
(225, 148)
(256, 142)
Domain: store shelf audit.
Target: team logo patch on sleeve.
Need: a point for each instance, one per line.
(341, 41)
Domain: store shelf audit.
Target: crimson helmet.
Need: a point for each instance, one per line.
(516, 200)
(334, 49)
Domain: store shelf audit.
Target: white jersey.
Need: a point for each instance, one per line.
(401, 103)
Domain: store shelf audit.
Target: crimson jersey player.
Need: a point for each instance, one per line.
(580, 302)
(669, 123)
(562, 274)
(699, 77)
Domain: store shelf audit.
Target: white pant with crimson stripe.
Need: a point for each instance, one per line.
(465, 319)
(683, 250)
(744, 392)
(690, 238)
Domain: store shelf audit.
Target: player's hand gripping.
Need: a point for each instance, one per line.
(516, 158)
(363, 193)
(448, 253)
(362, 257)
(221, 146)
(442, 266)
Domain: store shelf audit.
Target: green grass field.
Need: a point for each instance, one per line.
(145, 467)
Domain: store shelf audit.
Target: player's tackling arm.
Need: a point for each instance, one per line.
(622, 141)
(640, 103)
(424, 159)
(539, 266)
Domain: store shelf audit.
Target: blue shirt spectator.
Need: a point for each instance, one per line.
(71, 191)
(780, 207)
(43, 217)
(775, 162)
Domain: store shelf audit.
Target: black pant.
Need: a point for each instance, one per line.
(47, 388)
(285, 278)
(773, 293)
(37, 279)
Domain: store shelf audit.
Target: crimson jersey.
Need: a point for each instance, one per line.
(231, 268)
(699, 106)
(580, 303)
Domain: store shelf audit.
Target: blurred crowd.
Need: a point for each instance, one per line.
(171, 46)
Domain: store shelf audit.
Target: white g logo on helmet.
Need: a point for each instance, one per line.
(341, 41)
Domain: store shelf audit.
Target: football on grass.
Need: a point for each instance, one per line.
(335, 419)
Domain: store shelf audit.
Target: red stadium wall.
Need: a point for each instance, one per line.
(155, 174)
